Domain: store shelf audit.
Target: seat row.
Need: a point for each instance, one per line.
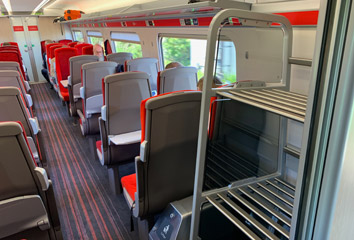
(27, 204)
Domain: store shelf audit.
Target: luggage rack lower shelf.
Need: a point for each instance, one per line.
(260, 210)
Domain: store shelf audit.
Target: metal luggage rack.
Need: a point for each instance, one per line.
(261, 209)
(266, 207)
(287, 104)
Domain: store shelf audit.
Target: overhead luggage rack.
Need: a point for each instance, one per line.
(287, 104)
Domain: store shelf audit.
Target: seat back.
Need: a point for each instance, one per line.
(123, 95)
(80, 46)
(12, 56)
(120, 57)
(76, 64)
(170, 125)
(176, 79)
(92, 74)
(88, 50)
(11, 43)
(47, 47)
(23, 197)
(12, 108)
(62, 56)
(148, 65)
(72, 44)
(10, 78)
(15, 66)
(65, 41)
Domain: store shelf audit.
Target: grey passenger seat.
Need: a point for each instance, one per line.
(12, 108)
(11, 78)
(15, 67)
(166, 165)
(120, 57)
(91, 94)
(74, 80)
(120, 125)
(176, 79)
(148, 65)
(27, 204)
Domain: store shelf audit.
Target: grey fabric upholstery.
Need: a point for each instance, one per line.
(166, 166)
(75, 76)
(15, 67)
(148, 65)
(120, 57)
(11, 78)
(24, 208)
(176, 79)
(92, 75)
(12, 108)
(123, 95)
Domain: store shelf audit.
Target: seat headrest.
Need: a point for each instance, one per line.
(9, 73)
(8, 129)
(92, 65)
(9, 91)
(83, 57)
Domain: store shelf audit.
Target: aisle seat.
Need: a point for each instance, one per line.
(11, 44)
(47, 47)
(73, 44)
(65, 41)
(80, 46)
(91, 94)
(62, 56)
(148, 65)
(166, 165)
(53, 78)
(13, 56)
(13, 108)
(120, 126)
(177, 79)
(74, 79)
(27, 202)
(15, 66)
(120, 57)
(10, 78)
(88, 50)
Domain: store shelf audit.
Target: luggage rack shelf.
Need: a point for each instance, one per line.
(260, 210)
(288, 104)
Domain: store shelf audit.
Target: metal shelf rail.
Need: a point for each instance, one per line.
(261, 207)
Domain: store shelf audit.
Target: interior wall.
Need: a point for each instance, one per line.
(6, 30)
(52, 31)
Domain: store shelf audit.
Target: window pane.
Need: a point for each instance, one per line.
(78, 36)
(191, 52)
(133, 48)
(94, 34)
(94, 40)
(127, 37)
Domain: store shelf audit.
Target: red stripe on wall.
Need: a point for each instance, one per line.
(114, 24)
(136, 24)
(19, 29)
(301, 18)
(33, 28)
(167, 23)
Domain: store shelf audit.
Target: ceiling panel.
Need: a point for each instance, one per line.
(23, 5)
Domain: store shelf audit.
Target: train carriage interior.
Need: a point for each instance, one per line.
(176, 119)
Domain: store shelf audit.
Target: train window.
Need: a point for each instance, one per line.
(127, 42)
(78, 36)
(191, 52)
(95, 37)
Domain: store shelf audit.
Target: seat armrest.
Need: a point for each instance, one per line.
(125, 138)
(27, 86)
(82, 92)
(69, 81)
(29, 100)
(143, 151)
(104, 112)
(35, 125)
(42, 177)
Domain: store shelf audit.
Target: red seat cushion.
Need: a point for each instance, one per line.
(129, 183)
(98, 146)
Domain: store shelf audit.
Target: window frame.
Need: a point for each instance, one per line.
(124, 40)
(74, 35)
(92, 35)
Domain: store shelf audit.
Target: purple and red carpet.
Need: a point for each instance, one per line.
(87, 207)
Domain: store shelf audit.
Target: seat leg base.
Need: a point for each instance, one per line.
(114, 180)
(144, 227)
